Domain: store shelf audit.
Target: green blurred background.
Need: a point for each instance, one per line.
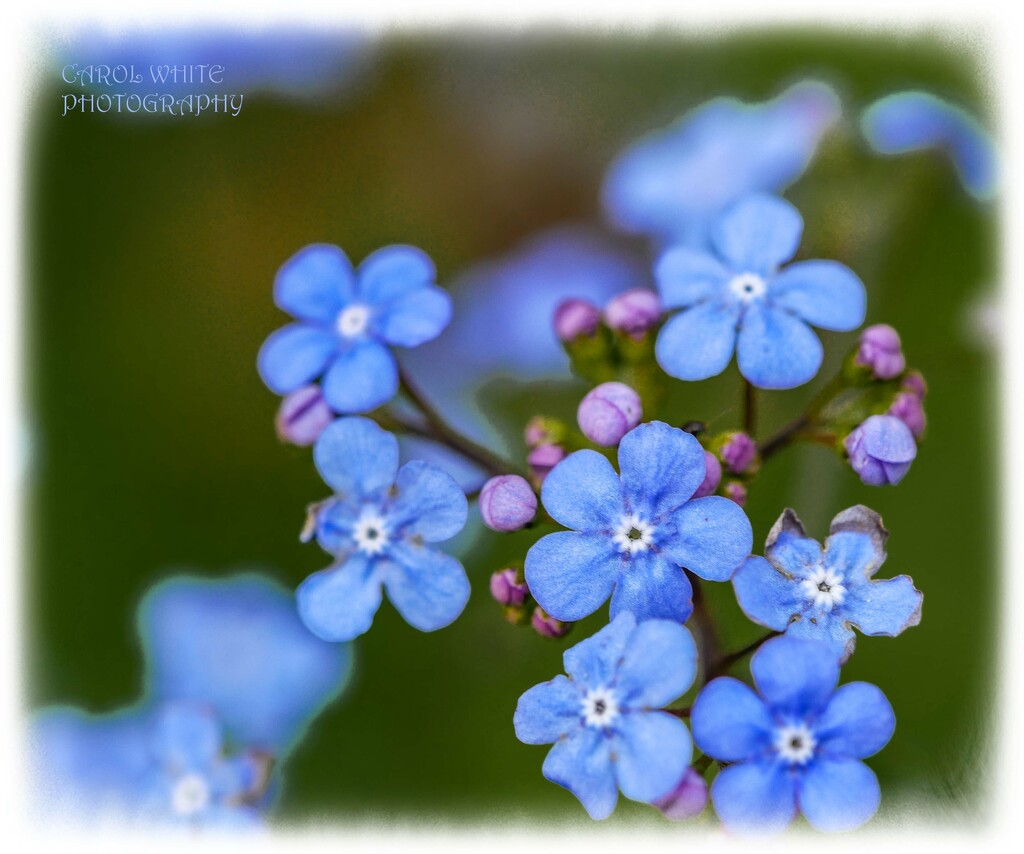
(152, 246)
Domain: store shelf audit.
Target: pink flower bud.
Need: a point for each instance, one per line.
(547, 626)
(739, 453)
(302, 416)
(507, 502)
(712, 478)
(508, 588)
(609, 412)
(736, 491)
(574, 318)
(633, 312)
(880, 351)
(544, 458)
(686, 800)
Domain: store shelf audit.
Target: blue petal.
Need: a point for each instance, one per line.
(758, 233)
(795, 676)
(686, 276)
(427, 503)
(393, 272)
(789, 548)
(823, 293)
(362, 378)
(698, 342)
(547, 712)
(294, 355)
(765, 595)
(335, 520)
(583, 492)
(428, 587)
(652, 588)
(884, 607)
(755, 797)
(594, 662)
(416, 318)
(830, 629)
(356, 457)
(730, 722)
(652, 751)
(838, 795)
(582, 764)
(776, 349)
(659, 665)
(710, 536)
(187, 736)
(315, 283)
(571, 574)
(855, 547)
(234, 777)
(857, 722)
(339, 603)
(661, 467)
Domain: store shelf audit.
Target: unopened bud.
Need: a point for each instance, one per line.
(547, 626)
(735, 491)
(544, 458)
(881, 450)
(508, 587)
(302, 416)
(738, 452)
(575, 318)
(633, 312)
(880, 351)
(507, 503)
(609, 412)
(712, 476)
(686, 800)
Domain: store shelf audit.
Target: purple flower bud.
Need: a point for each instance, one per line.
(302, 416)
(915, 384)
(736, 491)
(544, 458)
(543, 431)
(547, 626)
(881, 450)
(908, 408)
(508, 588)
(507, 502)
(712, 476)
(880, 351)
(633, 312)
(575, 317)
(739, 452)
(686, 800)
(609, 412)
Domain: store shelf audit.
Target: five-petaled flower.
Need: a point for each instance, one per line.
(737, 298)
(378, 526)
(604, 718)
(821, 594)
(346, 321)
(796, 744)
(632, 534)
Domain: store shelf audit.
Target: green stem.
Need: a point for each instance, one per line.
(707, 639)
(784, 437)
(723, 664)
(749, 408)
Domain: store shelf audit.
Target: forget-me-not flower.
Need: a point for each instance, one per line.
(603, 717)
(735, 297)
(632, 533)
(347, 320)
(796, 744)
(823, 594)
(379, 526)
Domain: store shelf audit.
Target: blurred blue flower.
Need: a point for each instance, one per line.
(823, 595)
(913, 121)
(737, 298)
(672, 184)
(633, 534)
(794, 745)
(347, 320)
(603, 719)
(238, 645)
(378, 526)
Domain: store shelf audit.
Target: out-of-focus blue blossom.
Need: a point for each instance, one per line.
(735, 298)
(794, 745)
(912, 121)
(632, 534)
(823, 595)
(881, 450)
(378, 526)
(673, 184)
(604, 719)
(347, 320)
(238, 645)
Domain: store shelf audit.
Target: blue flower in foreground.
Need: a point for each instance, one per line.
(823, 594)
(378, 526)
(737, 298)
(632, 534)
(606, 736)
(912, 121)
(238, 645)
(796, 744)
(347, 321)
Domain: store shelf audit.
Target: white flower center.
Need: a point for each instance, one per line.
(824, 588)
(191, 794)
(795, 743)
(370, 533)
(353, 320)
(600, 708)
(633, 535)
(747, 287)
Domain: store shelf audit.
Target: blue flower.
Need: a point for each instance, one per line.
(795, 744)
(822, 595)
(606, 736)
(672, 184)
(347, 319)
(736, 298)
(912, 121)
(238, 645)
(378, 526)
(631, 534)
